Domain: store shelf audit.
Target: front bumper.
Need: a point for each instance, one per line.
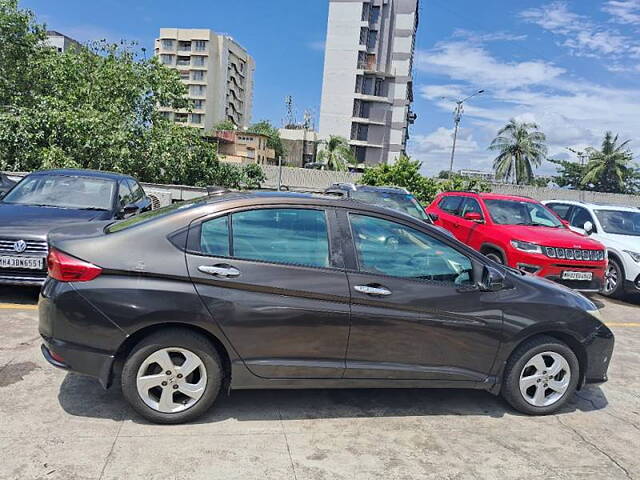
(599, 349)
(552, 269)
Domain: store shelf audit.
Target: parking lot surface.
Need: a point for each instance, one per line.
(55, 425)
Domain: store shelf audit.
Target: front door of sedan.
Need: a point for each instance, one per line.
(416, 314)
(269, 279)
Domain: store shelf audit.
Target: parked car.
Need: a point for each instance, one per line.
(618, 229)
(46, 199)
(290, 290)
(6, 184)
(522, 233)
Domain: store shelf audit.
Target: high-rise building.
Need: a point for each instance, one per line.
(61, 42)
(367, 89)
(217, 71)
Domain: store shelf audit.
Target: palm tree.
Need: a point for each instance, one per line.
(608, 167)
(521, 147)
(336, 154)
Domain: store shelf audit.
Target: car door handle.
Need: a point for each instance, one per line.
(372, 290)
(220, 270)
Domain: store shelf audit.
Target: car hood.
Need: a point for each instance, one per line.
(622, 242)
(551, 237)
(31, 222)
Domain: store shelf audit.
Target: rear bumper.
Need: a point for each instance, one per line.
(78, 359)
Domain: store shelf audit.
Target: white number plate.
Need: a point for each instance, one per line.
(588, 276)
(30, 263)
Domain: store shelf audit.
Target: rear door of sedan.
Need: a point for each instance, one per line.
(416, 313)
(273, 279)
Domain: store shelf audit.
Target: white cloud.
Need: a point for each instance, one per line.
(488, 37)
(582, 36)
(571, 112)
(318, 45)
(623, 11)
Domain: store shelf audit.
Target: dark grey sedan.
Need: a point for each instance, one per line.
(271, 290)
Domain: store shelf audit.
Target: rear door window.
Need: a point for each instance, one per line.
(561, 209)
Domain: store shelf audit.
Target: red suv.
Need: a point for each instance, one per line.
(522, 233)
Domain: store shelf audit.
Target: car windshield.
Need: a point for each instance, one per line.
(63, 191)
(521, 212)
(404, 202)
(620, 222)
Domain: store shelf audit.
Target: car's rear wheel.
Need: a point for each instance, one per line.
(495, 256)
(613, 280)
(541, 376)
(172, 376)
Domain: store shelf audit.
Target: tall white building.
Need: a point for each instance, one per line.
(367, 89)
(61, 42)
(218, 73)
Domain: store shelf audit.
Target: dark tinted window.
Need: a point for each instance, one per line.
(389, 248)
(561, 209)
(292, 236)
(124, 193)
(137, 193)
(521, 212)
(580, 216)
(620, 222)
(450, 204)
(214, 237)
(403, 202)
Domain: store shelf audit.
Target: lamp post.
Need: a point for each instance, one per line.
(457, 116)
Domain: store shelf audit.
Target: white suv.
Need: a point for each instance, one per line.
(618, 228)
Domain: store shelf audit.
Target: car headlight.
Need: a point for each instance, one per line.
(596, 314)
(526, 246)
(634, 255)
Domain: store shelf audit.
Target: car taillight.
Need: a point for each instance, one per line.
(66, 268)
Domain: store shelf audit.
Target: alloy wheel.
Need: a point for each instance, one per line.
(545, 379)
(611, 279)
(171, 380)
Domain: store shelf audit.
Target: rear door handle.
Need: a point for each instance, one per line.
(372, 290)
(220, 270)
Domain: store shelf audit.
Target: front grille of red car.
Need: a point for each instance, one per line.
(574, 254)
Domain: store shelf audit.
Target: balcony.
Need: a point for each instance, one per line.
(183, 61)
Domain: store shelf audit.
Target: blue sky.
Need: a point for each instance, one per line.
(571, 66)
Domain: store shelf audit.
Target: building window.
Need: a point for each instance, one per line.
(197, 90)
(200, 45)
(361, 109)
(360, 154)
(196, 118)
(379, 90)
(181, 117)
(197, 75)
(359, 131)
(184, 46)
(365, 11)
(198, 104)
(166, 59)
(184, 75)
(183, 61)
(198, 61)
(372, 39)
(364, 34)
(374, 15)
(168, 44)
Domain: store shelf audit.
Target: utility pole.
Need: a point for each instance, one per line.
(457, 116)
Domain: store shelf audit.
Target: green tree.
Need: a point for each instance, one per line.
(97, 107)
(521, 147)
(264, 127)
(403, 173)
(609, 167)
(225, 125)
(336, 154)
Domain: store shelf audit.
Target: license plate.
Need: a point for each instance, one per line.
(28, 263)
(588, 276)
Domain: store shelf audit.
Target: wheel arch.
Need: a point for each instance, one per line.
(132, 340)
(618, 259)
(487, 247)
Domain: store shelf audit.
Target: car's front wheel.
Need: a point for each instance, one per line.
(541, 376)
(172, 376)
(613, 280)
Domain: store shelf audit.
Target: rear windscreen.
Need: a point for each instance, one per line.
(148, 216)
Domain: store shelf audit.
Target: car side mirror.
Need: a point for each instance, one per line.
(474, 217)
(492, 279)
(128, 210)
(588, 227)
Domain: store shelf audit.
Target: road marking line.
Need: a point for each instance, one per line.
(622, 324)
(17, 306)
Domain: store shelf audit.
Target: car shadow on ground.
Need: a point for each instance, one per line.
(84, 397)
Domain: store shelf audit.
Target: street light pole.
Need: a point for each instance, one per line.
(457, 116)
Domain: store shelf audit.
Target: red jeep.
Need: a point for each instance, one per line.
(522, 233)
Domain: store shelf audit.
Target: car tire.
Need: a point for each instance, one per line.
(495, 256)
(528, 384)
(614, 274)
(172, 397)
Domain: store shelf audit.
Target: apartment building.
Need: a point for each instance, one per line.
(217, 71)
(368, 82)
(300, 146)
(61, 42)
(242, 147)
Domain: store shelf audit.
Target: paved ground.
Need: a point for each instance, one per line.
(55, 425)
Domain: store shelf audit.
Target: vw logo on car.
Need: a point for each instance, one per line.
(20, 246)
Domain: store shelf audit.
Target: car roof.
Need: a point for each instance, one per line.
(490, 196)
(368, 188)
(78, 172)
(594, 206)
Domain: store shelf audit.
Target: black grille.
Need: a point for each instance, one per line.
(34, 247)
(574, 254)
